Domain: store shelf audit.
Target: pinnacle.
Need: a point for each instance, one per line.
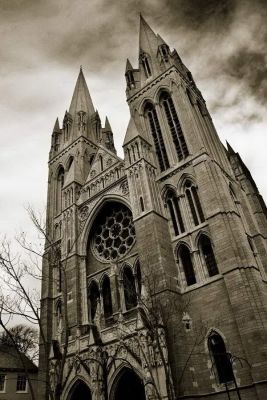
(128, 65)
(81, 99)
(107, 125)
(230, 149)
(56, 126)
(132, 132)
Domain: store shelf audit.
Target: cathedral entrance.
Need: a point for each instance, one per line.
(80, 391)
(129, 387)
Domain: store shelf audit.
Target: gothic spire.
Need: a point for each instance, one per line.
(230, 149)
(132, 132)
(81, 99)
(129, 66)
(148, 41)
(107, 125)
(56, 126)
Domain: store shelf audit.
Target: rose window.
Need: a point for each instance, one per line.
(114, 233)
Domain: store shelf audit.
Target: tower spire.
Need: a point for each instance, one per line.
(147, 38)
(129, 66)
(56, 126)
(81, 99)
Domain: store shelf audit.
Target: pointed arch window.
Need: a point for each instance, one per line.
(130, 79)
(164, 52)
(138, 279)
(107, 300)
(142, 204)
(186, 261)
(67, 122)
(174, 125)
(194, 203)
(208, 255)
(59, 277)
(91, 159)
(94, 298)
(101, 162)
(59, 316)
(146, 65)
(70, 162)
(130, 295)
(175, 212)
(151, 115)
(59, 187)
(221, 359)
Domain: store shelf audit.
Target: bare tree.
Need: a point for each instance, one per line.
(25, 338)
(20, 294)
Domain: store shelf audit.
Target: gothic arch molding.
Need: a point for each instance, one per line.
(144, 102)
(68, 162)
(179, 245)
(102, 279)
(184, 177)
(159, 91)
(58, 168)
(165, 190)
(93, 281)
(82, 246)
(202, 232)
(115, 377)
(135, 264)
(209, 332)
(74, 381)
(122, 268)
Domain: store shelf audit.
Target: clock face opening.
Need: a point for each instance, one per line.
(113, 233)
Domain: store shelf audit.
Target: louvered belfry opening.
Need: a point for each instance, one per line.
(174, 125)
(156, 132)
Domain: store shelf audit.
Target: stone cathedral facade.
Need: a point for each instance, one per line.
(154, 273)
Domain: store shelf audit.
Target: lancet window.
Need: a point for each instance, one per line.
(94, 298)
(59, 186)
(151, 115)
(146, 65)
(220, 358)
(174, 125)
(208, 255)
(130, 79)
(194, 203)
(138, 279)
(187, 265)
(164, 51)
(130, 295)
(175, 212)
(107, 300)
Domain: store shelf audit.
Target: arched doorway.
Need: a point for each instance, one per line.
(80, 391)
(129, 386)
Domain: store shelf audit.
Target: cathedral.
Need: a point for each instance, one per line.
(154, 270)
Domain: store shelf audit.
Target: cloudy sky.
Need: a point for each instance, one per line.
(43, 44)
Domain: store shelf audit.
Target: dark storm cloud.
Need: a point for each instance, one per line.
(43, 43)
(251, 67)
(202, 14)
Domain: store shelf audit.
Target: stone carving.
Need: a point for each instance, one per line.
(124, 188)
(84, 212)
(108, 162)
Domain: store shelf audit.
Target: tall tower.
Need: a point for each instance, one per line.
(158, 287)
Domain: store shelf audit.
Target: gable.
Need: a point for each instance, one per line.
(103, 160)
